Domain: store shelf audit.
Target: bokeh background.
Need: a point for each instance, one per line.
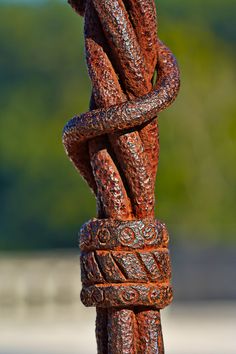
(44, 201)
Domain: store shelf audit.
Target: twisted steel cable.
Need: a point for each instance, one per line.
(125, 260)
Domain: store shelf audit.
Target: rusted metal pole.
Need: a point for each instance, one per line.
(125, 264)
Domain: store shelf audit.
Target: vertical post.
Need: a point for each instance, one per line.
(125, 263)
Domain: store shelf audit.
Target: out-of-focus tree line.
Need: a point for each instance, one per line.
(44, 82)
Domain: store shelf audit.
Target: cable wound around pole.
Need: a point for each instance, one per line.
(125, 260)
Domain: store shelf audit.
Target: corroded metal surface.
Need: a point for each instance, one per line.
(125, 260)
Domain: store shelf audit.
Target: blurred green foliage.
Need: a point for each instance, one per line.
(43, 82)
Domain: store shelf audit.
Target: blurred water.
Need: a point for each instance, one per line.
(41, 313)
(196, 328)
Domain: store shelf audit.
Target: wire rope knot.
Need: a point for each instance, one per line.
(125, 263)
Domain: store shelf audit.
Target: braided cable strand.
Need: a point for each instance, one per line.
(125, 263)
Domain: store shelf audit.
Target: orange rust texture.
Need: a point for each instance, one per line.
(125, 263)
